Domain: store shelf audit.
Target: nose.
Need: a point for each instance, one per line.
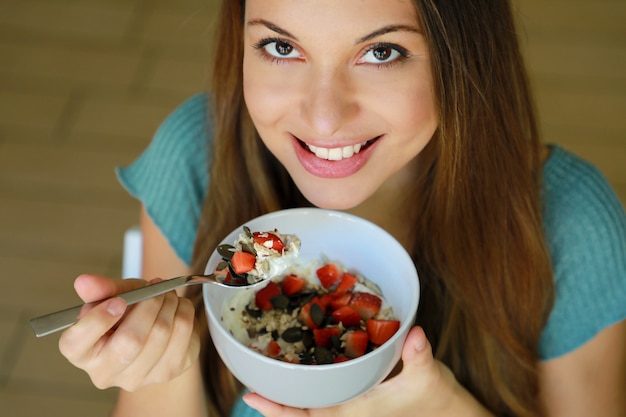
(329, 101)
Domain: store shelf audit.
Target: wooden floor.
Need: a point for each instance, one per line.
(83, 85)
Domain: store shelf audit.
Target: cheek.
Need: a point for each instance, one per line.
(412, 111)
(265, 96)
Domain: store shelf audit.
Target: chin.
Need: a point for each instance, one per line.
(333, 198)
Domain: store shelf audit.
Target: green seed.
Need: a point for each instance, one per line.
(323, 356)
(280, 301)
(292, 335)
(226, 251)
(317, 315)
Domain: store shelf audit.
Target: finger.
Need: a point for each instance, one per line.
(184, 343)
(417, 350)
(129, 338)
(182, 348)
(82, 341)
(145, 365)
(271, 409)
(95, 287)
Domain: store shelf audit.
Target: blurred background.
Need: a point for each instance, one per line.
(83, 86)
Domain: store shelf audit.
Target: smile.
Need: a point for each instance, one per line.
(338, 154)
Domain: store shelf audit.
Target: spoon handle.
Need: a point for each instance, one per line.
(53, 322)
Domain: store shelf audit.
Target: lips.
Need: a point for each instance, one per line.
(338, 162)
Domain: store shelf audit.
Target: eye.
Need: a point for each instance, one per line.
(277, 49)
(383, 53)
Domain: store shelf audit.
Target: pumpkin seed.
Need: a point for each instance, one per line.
(305, 358)
(226, 251)
(280, 301)
(307, 339)
(322, 355)
(246, 229)
(292, 335)
(317, 315)
(248, 247)
(222, 265)
(253, 312)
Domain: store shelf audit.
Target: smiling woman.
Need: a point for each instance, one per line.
(418, 116)
(337, 99)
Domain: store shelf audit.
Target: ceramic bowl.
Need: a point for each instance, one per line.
(356, 243)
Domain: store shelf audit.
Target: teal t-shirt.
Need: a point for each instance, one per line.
(584, 222)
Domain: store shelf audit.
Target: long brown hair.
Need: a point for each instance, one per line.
(475, 215)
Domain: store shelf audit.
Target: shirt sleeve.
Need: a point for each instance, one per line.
(170, 177)
(585, 226)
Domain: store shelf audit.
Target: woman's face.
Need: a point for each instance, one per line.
(339, 91)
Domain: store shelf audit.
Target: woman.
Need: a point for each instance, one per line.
(417, 116)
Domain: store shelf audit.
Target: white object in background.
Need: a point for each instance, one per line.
(131, 261)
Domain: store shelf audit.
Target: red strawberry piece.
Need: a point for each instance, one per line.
(264, 295)
(366, 304)
(326, 300)
(323, 337)
(269, 240)
(339, 301)
(356, 343)
(328, 275)
(347, 282)
(379, 331)
(242, 262)
(341, 358)
(273, 348)
(346, 316)
(312, 316)
(293, 284)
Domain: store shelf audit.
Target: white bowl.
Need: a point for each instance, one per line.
(356, 243)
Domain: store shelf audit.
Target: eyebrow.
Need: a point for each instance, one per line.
(272, 27)
(368, 37)
(388, 29)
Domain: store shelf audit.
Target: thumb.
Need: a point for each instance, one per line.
(96, 287)
(417, 350)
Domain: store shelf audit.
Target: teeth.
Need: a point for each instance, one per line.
(335, 154)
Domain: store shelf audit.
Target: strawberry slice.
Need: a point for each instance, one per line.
(293, 284)
(312, 316)
(323, 337)
(366, 304)
(269, 240)
(263, 297)
(379, 331)
(339, 301)
(346, 316)
(242, 262)
(347, 282)
(273, 349)
(328, 275)
(356, 343)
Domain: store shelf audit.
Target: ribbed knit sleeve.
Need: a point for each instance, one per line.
(585, 226)
(170, 177)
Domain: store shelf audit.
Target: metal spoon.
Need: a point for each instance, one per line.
(53, 322)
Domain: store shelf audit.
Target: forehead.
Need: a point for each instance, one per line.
(355, 13)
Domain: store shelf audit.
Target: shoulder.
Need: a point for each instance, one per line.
(171, 176)
(185, 130)
(585, 227)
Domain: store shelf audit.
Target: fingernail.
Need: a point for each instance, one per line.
(421, 342)
(116, 307)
